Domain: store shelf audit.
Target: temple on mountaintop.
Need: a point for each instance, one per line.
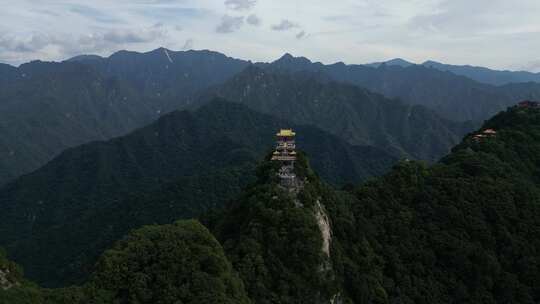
(529, 104)
(285, 154)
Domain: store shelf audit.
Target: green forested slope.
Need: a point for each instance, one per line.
(465, 230)
(174, 263)
(454, 97)
(274, 244)
(57, 220)
(351, 113)
(47, 107)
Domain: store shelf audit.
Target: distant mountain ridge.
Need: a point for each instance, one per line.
(464, 230)
(454, 97)
(349, 112)
(47, 107)
(56, 220)
(477, 73)
(167, 76)
(396, 61)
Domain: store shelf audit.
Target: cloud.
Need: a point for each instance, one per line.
(253, 20)
(170, 12)
(452, 31)
(188, 45)
(93, 13)
(240, 5)
(533, 66)
(285, 25)
(69, 45)
(123, 36)
(229, 24)
(35, 42)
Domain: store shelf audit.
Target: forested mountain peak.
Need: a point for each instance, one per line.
(179, 166)
(453, 96)
(46, 107)
(343, 109)
(450, 227)
(396, 61)
(288, 61)
(280, 240)
(485, 75)
(465, 230)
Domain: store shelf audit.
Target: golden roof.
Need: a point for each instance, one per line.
(286, 133)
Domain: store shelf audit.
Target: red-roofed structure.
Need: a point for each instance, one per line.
(529, 104)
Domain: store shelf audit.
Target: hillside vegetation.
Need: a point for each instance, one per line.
(57, 220)
(465, 230)
(354, 114)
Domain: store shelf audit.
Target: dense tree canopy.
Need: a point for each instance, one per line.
(466, 230)
(174, 263)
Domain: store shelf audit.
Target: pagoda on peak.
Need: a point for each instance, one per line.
(285, 153)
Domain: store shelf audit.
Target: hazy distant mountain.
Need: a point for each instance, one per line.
(345, 110)
(85, 58)
(47, 107)
(486, 75)
(8, 73)
(477, 73)
(396, 61)
(455, 97)
(465, 230)
(168, 76)
(57, 220)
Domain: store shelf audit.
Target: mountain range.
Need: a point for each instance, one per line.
(58, 219)
(349, 112)
(452, 96)
(47, 107)
(464, 230)
(480, 74)
(93, 147)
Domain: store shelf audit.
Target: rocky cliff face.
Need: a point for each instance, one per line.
(6, 279)
(4, 283)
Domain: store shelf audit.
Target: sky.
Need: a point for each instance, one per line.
(499, 34)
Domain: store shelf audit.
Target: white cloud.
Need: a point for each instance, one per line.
(533, 66)
(494, 33)
(122, 36)
(284, 25)
(229, 24)
(253, 20)
(239, 5)
(188, 45)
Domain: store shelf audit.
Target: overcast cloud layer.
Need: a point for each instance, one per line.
(500, 34)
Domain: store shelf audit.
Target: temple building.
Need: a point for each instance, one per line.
(285, 153)
(529, 104)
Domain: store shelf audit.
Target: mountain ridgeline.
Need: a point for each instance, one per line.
(106, 162)
(464, 230)
(453, 96)
(57, 220)
(349, 112)
(47, 107)
(480, 74)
